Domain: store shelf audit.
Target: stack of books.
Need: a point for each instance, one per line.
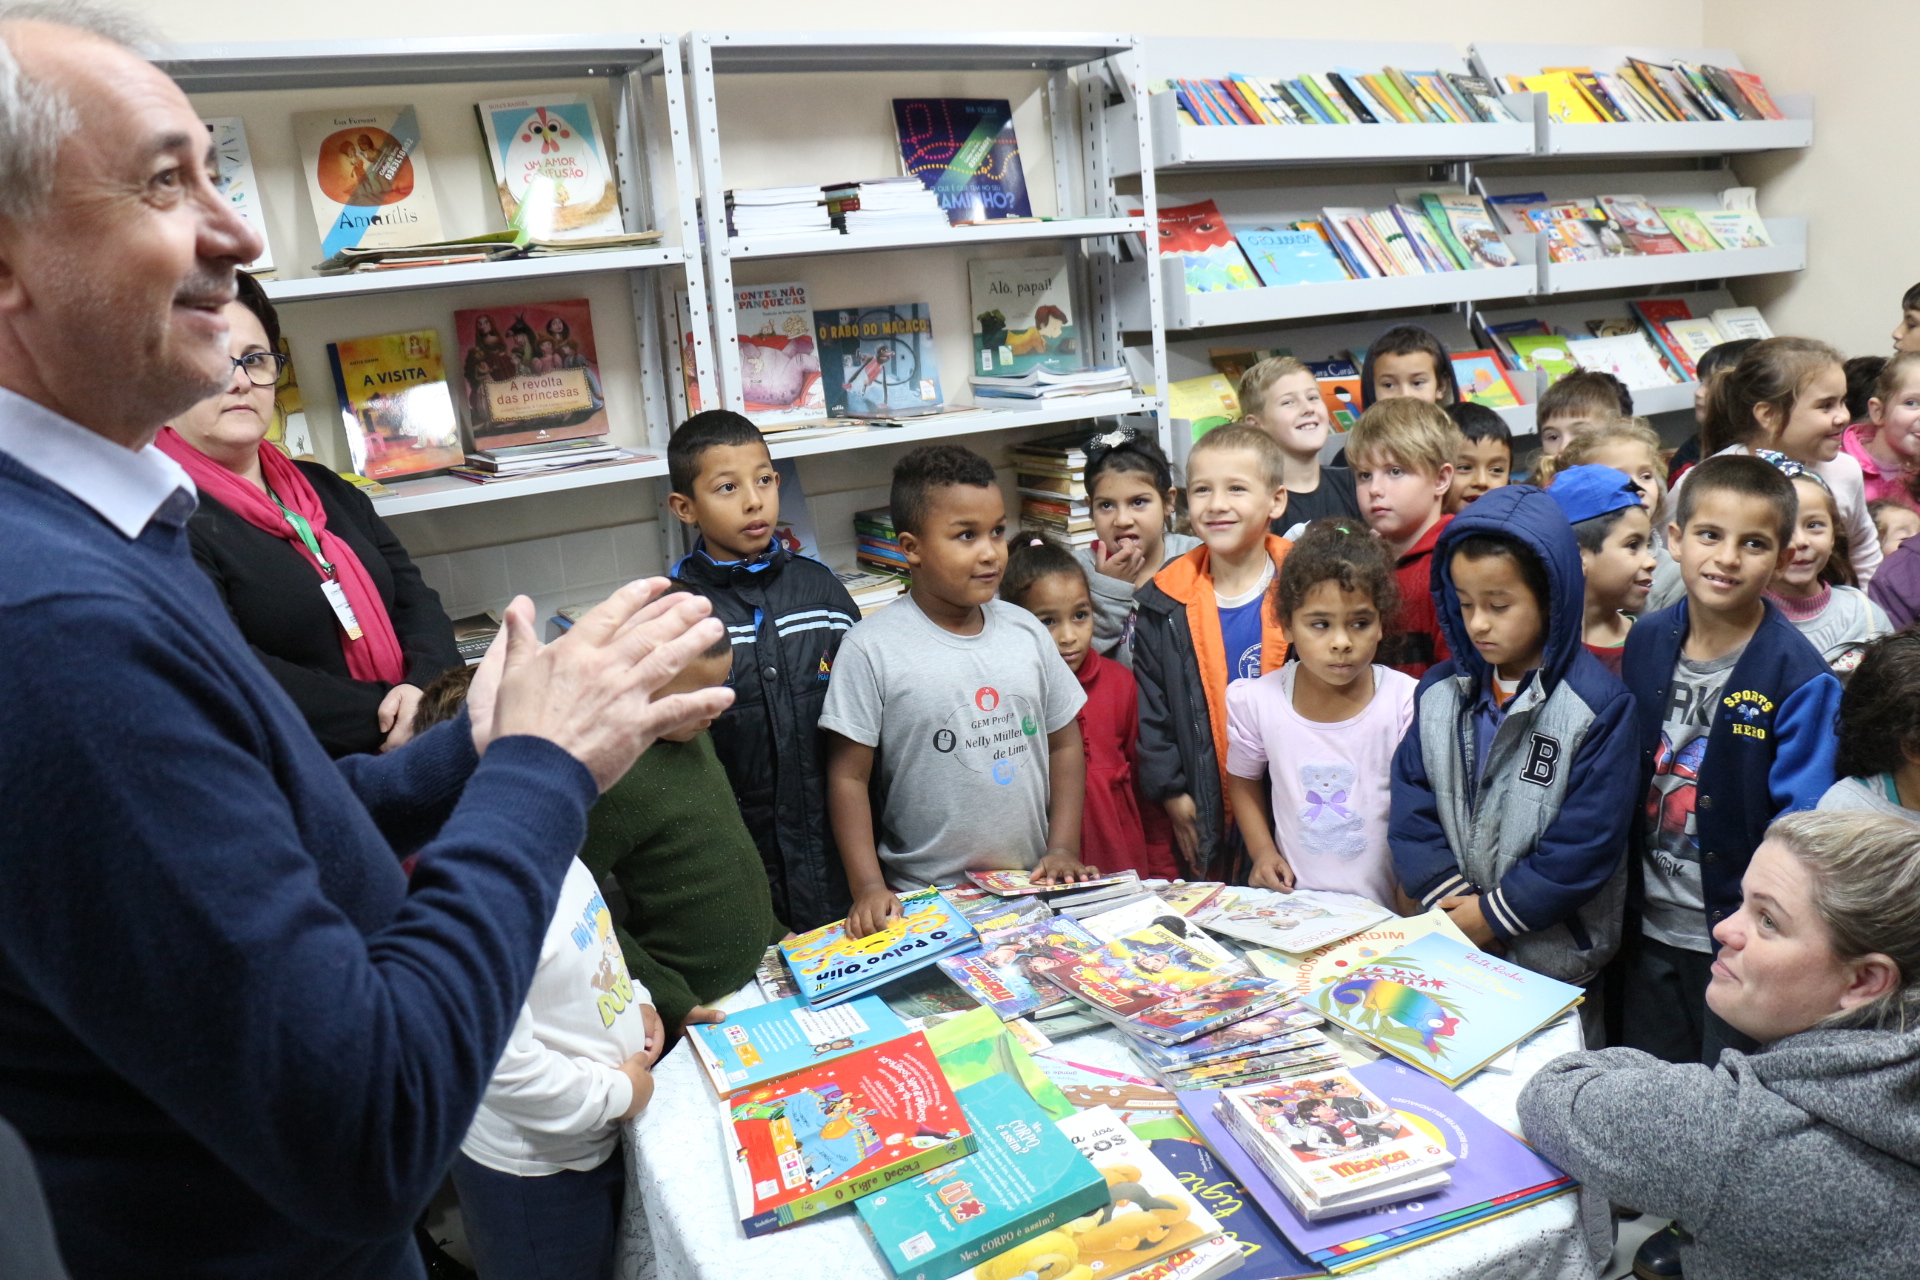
(1627, 226)
(1052, 477)
(885, 204)
(1164, 987)
(486, 465)
(1650, 93)
(492, 246)
(830, 968)
(776, 211)
(1344, 96)
(871, 591)
(1657, 344)
(1277, 1045)
(1049, 384)
(879, 543)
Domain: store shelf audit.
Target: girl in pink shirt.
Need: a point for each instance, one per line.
(1887, 444)
(1324, 727)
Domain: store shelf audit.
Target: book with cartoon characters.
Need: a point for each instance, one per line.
(1267, 1253)
(1197, 235)
(844, 1129)
(529, 373)
(1328, 1142)
(831, 967)
(367, 178)
(395, 405)
(550, 167)
(1309, 972)
(1138, 972)
(779, 361)
(1297, 921)
(1007, 973)
(1023, 1179)
(1442, 1006)
(1149, 1214)
(761, 1044)
(1208, 1009)
(878, 362)
(1023, 313)
(1284, 1027)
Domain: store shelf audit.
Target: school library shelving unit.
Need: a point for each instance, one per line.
(647, 144)
(1082, 71)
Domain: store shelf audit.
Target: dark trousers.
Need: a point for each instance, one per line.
(561, 1226)
(1663, 1005)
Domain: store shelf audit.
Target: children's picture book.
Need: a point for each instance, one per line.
(1446, 1008)
(1548, 352)
(1736, 228)
(1741, 322)
(1642, 224)
(530, 374)
(1339, 389)
(683, 338)
(878, 361)
(965, 152)
(758, 1045)
(1190, 897)
(1515, 211)
(1007, 973)
(1329, 1141)
(1205, 402)
(779, 361)
(1024, 1178)
(1265, 1253)
(988, 911)
(1149, 1215)
(1280, 1028)
(974, 1045)
(1136, 914)
(550, 167)
(1483, 380)
(395, 405)
(831, 967)
(1307, 973)
(1197, 235)
(1282, 257)
(1131, 975)
(1133, 1097)
(773, 977)
(1010, 884)
(367, 178)
(840, 1130)
(1691, 232)
(1023, 312)
(1295, 922)
(1693, 338)
(1195, 1013)
(1628, 357)
(233, 161)
(1472, 226)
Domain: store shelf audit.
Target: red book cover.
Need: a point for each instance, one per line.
(1756, 91)
(529, 374)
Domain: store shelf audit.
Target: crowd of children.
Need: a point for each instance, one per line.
(1563, 711)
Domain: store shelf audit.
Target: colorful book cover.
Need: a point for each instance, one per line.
(1482, 380)
(1023, 313)
(550, 167)
(794, 531)
(1296, 922)
(1024, 1178)
(1692, 338)
(1329, 1139)
(367, 178)
(1629, 357)
(1205, 402)
(1290, 257)
(689, 371)
(1208, 1009)
(1548, 352)
(1265, 1253)
(530, 373)
(233, 161)
(1137, 913)
(1736, 228)
(1010, 884)
(1190, 897)
(1447, 1009)
(831, 967)
(779, 361)
(842, 1130)
(878, 361)
(395, 405)
(1689, 230)
(1307, 973)
(975, 1045)
(1642, 224)
(1006, 973)
(964, 151)
(1133, 974)
(1149, 1214)
(1315, 1054)
(1339, 389)
(1756, 90)
(756, 1046)
(1198, 236)
(1274, 1031)
(987, 911)
(1472, 226)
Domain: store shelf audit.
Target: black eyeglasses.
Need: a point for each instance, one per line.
(263, 368)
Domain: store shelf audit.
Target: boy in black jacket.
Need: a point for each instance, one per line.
(786, 615)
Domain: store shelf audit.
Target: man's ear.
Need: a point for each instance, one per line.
(13, 293)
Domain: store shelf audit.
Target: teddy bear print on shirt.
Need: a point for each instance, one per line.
(1329, 827)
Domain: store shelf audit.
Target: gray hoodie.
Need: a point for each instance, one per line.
(1113, 600)
(1800, 1161)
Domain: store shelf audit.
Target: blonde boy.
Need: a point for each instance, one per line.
(1403, 451)
(1282, 398)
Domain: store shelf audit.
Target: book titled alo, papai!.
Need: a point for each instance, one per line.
(395, 405)
(550, 167)
(367, 178)
(529, 373)
(965, 152)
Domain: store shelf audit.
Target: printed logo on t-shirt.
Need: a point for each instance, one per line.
(986, 697)
(1248, 668)
(595, 928)
(992, 735)
(1329, 827)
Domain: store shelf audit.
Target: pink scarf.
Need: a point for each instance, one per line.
(376, 654)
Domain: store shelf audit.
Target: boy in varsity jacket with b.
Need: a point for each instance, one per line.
(786, 615)
(1514, 789)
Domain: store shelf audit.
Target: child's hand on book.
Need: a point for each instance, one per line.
(1271, 873)
(1059, 866)
(637, 1070)
(1465, 913)
(703, 1013)
(871, 912)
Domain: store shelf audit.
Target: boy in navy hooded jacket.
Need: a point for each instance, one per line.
(1514, 790)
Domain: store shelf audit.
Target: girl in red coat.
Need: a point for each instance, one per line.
(1049, 583)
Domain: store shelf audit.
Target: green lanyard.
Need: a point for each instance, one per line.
(305, 530)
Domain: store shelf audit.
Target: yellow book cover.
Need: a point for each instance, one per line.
(395, 404)
(1565, 101)
(1206, 402)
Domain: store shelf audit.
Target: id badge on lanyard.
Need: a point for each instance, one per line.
(337, 597)
(329, 584)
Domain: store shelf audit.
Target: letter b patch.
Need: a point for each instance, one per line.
(1543, 760)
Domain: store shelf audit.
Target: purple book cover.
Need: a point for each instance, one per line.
(1490, 1162)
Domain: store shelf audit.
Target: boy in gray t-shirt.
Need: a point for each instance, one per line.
(948, 694)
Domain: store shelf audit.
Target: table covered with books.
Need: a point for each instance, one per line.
(938, 1124)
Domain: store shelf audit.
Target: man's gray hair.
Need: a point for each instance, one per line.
(36, 117)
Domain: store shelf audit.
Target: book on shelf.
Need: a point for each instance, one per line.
(682, 320)
(233, 163)
(831, 967)
(1654, 314)
(1198, 237)
(1023, 313)
(1469, 226)
(884, 204)
(1006, 973)
(757, 1046)
(1023, 1178)
(1137, 1184)
(871, 591)
(1689, 230)
(1642, 223)
(1343, 95)
(1339, 390)
(1736, 228)
(395, 405)
(289, 429)
(1293, 922)
(833, 1132)
(794, 529)
(1045, 384)
(877, 543)
(1741, 322)
(519, 459)
(550, 167)
(1515, 211)
(965, 151)
(878, 361)
(529, 374)
(779, 357)
(1283, 256)
(610, 457)
(1628, 357)
(1205, 402)
(1693, 338)
(1545, 352)
(367, 178)
(1446, 1008)
(1483, 380)
(1639, 91)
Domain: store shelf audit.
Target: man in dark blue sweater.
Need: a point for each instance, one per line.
(238, 1041)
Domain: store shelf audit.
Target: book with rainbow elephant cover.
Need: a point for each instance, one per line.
(1443, 1007)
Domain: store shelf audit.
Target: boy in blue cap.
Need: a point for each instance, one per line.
(1615, 531)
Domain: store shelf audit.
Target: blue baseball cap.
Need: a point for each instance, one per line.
(1589, 491)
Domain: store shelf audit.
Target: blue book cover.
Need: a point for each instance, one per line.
(878, 361)
(964, 151)
(1265, 1253)
(830, 967)
(1290, 257)
(1023, 1180)
(754, 1046)
(1443, 1007)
